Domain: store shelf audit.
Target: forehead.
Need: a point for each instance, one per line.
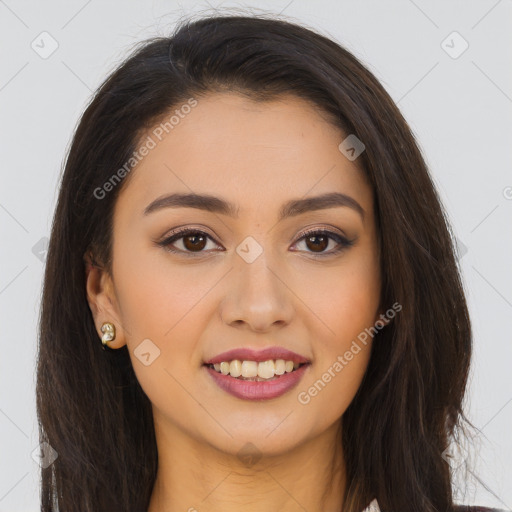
(250, 152)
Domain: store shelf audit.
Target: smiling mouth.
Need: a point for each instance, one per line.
(256, 372)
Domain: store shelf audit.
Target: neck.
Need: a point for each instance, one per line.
(194, 476)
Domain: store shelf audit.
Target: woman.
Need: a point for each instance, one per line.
(247, 227)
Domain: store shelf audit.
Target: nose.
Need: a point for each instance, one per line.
(258, 297)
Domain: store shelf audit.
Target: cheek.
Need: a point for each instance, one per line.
(346, 301)
(343, 300)
(158, 299)
(341, 356)
(166, 304)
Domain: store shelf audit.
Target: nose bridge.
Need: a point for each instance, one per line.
(256, 294)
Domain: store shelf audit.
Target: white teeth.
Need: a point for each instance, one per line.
(249, 369)
(235, 368)
(255, 370)
(224, 368)
(266, 369)
(280, 366)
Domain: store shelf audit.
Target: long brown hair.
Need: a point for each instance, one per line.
(90, 407)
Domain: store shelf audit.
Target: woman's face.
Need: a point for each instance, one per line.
(246, 278)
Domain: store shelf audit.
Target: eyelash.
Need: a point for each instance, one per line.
(343, 243)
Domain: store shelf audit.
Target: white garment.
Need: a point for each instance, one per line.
(372, 507)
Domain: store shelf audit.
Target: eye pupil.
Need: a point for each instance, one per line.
(322, 245)
(194, 245)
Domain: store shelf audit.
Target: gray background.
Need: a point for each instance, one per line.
(459, 106)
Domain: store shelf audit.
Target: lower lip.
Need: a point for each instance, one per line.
(258, 390)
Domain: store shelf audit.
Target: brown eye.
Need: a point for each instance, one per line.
(194, 242)
(187, 241)
(317, 243)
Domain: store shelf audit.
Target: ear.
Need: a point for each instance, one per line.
(102, 300)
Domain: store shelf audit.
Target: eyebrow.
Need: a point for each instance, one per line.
(291, 208)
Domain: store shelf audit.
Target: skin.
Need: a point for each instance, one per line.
(258, 156)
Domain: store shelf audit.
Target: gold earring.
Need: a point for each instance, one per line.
(109, 333)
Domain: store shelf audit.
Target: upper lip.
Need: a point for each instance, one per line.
(247, 354)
